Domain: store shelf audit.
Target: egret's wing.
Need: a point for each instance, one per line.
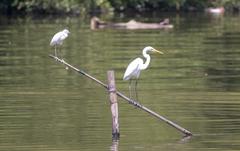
(133, 69)
(63, 36)
(56, 39)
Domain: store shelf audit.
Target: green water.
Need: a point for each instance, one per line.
(196, 84)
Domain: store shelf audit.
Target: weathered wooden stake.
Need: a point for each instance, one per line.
(132, 102)
(113, 104)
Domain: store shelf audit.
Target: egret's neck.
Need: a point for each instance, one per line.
(147, 62)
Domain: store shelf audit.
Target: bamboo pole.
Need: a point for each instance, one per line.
(113, 104)
(176, 126)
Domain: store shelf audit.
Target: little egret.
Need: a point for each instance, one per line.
(58, 38)
(134, 68)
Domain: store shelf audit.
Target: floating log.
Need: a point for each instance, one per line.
(130, 101)
(96, 23)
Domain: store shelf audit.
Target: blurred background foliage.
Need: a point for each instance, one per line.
(98, 6)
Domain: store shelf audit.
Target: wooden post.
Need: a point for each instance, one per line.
(113, 105)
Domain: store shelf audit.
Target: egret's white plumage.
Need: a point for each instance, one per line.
(134, 68)
(58, 38)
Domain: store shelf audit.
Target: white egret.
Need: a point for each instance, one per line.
(58, 38)
(134, 68)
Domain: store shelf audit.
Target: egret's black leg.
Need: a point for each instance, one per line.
(60, 53)
(130, 88)
(135, 89)
(55, 51)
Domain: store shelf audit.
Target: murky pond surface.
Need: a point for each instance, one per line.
(196, 84)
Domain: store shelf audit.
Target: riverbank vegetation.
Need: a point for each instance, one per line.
(98, 6)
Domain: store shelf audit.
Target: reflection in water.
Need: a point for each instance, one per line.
(196, 84)
(185, 139)
(114, 146)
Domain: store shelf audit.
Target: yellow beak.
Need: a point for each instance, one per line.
(160, 52)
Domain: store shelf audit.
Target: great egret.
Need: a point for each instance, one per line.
(134, 68)
(58, 38)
